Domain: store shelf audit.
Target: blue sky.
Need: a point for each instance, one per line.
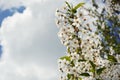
(9, 12)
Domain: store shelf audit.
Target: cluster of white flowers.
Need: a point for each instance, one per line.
(83, 60)
(113, 5)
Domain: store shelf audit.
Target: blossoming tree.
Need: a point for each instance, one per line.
(91, 34)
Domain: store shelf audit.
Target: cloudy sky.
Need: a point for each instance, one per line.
(29, 45)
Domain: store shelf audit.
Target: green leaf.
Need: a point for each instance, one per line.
(73, 36)
(78, 5)
(117, 49)
(98, 79)
(79, 78)
(93, 65)
(99, 71)
(72, 63)
(69, 76)
(68, 4)
(68, 50)
(85, 74)
(65, 57)
(78, 50)
(92, 70)
(112, 58)
(74, 10)
(81, 60)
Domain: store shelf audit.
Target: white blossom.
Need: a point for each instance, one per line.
(84, 58)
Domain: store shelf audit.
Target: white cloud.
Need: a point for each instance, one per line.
(30, 43)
